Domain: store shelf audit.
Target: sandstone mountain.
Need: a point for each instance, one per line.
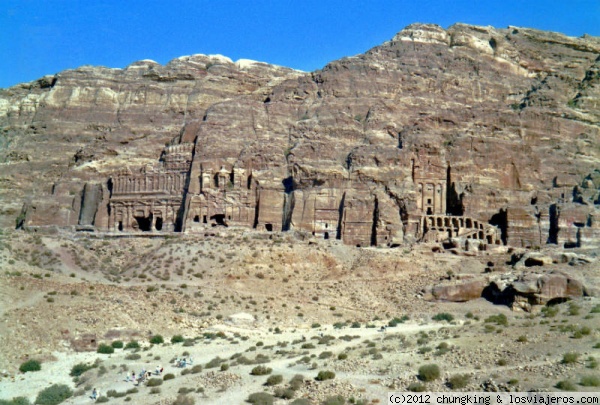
(483, 134)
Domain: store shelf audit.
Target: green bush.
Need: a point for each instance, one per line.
(429, 372)
(80, 368)
(261, 370)
(443, 316)
(260, 398)
(154, 382)
(550, 312)
(300, 401)
(105, 349)
(102, 399)
(335, 400)
(284, 393)
(566, 385)
(157, 340)
(133, 356)
(177, 339)
(342, 356)
(396, 321)
(53, 395)
(325, 375)
(169, 376)
(15, 401)
(224, 367)
(117, 344)
(499, 319)
(132, 345)
(459, 381)
(590, 381)
(569, 358)
(183, 399)
(325, 355)
(196, 369)
(30, 365)
(296, 382)
(115, 394)
(214, 362)
(274, 380)
(417, 387)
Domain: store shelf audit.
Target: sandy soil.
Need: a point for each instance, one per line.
(61, 295)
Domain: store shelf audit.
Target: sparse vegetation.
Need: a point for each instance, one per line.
(566, 385)
(417, 387)
(260, 398)
(569, 358)
(274, 380)
(177, 339)
(80, 368)
(154, 382)
(30, 365)
(103, 348)
(429, 372)
(459, 381)
(261, 370)
(157, 340)
(590, 381)
(443, 316)
(325, 375)
(53, 395)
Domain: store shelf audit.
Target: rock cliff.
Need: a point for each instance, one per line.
(467, 132)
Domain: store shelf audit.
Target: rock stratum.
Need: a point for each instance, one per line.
(483, 136)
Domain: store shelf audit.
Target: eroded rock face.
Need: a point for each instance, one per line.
(501, 122)
(519, 291)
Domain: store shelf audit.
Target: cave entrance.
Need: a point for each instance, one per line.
(204, 221)
(326, 235)
(158, 224)
(429, 212)
(144, 223)
(269, 227)
(500, 220)
(120, 227)
(197, 218)
(219, 220)
(554, 214)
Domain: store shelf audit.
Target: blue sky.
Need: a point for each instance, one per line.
(39, 37)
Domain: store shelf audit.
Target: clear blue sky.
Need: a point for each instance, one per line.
(39, 37)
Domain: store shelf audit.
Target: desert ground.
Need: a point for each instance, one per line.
(266, 312)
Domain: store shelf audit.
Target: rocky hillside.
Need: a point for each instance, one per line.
(511, 115)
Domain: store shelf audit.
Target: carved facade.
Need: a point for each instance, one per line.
(185, 194)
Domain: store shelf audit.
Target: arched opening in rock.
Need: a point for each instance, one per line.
(197, 218)
(144, 223)
(494, 295)
(326, 235)
(120, 227)
(454, 200)
(219, 220)
(429, 212)
(501, 221)
(556, 301)
(204, 221)
(269, 227)
(158, 224)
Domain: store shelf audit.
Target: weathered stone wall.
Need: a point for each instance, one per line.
(510, 114)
